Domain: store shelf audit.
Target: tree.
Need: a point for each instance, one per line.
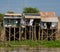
(1, 20)
(1, 17)
(10, 12)
(30, 10)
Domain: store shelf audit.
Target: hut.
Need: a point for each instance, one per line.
(49, 24)
(12, 26)
(32, 21)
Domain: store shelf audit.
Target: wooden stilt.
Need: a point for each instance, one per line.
(32, 32)
(56, 33)
(35, 32)
(42, 35)
(9, 32)
(14, 33)
(39, 34)
(47, 36)
(19, 30)
(25, 33)
(4, 34)
(19, 33)
(52, 35)
(29, 32)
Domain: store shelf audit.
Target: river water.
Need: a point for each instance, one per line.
(22, 49)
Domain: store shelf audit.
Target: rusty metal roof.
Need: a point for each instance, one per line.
(50, 19)
(13, 14)
(33, 17)
(47, 14)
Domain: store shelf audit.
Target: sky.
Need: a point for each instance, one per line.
(18, 5)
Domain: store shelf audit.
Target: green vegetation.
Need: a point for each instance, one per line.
(10, 12)
(1, 17)
(31, 43)
(30, 10)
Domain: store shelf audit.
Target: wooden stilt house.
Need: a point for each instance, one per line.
(49, 25)
(12, 26)
(30, 26)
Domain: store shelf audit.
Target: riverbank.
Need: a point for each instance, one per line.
(30, 43)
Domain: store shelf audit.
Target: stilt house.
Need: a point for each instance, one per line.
(31, 26)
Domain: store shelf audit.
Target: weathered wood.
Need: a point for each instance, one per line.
(19, 33)
(35, 32)
(47, 36)
(14, 33)
(9, 32)
(25, 34)
(39, 33)
(42, 35)
(32, 32)
(5, 34)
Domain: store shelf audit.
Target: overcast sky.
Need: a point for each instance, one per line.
(18, 5)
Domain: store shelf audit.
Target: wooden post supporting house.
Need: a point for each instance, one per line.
(11, 25)
(32, 33)
(19, 33)
(51, 27)
(9, 33)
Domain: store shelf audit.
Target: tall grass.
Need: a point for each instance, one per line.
(35, 43)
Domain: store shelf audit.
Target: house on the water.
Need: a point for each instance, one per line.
(31, 26)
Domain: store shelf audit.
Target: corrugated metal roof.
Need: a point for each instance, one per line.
(14, 14)
(34, 17)
(31, 14)
(47, 14)
(50, 19)
(12, 17)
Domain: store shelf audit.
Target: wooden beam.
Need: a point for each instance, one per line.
(19, 33)
(39, 33)
(25, 33)
(32, 32)
(4, 34)
(35, 32)
(14, 33)
(42, 35)
(29, 32)
(9, 32)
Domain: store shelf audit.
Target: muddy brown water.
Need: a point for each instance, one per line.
(22, 49)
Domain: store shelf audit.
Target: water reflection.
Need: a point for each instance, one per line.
(22, 49)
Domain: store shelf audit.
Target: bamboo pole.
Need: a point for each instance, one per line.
(51, 34)
(9, 32)
(19, 30)
(32, 32)
(4, 34)
(14, 33)
(39, 34)
(35, 32)
(29, 32)
(25, 33)
(47, 35)
(19, 33)
(42, 35)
